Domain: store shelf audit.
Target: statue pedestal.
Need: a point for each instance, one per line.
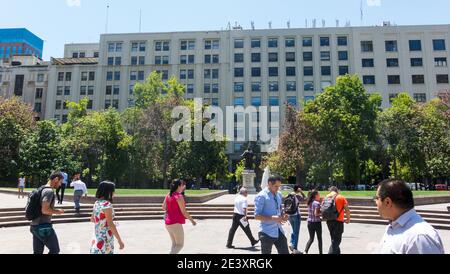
(248, 181)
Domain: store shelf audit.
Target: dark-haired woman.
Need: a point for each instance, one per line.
(103, 218)
(176, 214)
(314, 220)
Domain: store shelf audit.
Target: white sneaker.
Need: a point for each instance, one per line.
(297, 252)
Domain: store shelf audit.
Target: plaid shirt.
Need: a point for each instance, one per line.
(311, 209)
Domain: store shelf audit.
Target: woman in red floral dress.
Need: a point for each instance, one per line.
(102, 217)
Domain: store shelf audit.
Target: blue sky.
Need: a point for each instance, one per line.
(65, 21)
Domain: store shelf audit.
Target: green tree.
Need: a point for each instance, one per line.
(41, 152)
(298, 148)
(16, 122)
(343, 117)
(98, 141)
(434, 139)
(240, 167)
(152, 141)
(201, 160)
(399, 128)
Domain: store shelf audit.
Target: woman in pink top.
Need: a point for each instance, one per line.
(176, 214)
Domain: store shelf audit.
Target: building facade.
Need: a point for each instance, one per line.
(19, 42)
(268, 67)
(28, 80)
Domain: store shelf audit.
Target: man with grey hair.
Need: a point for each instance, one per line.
(240, 218)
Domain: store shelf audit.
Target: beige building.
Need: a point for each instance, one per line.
(252, 67)
(81, 50)
(26, 76)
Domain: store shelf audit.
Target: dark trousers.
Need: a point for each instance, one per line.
(44, 236)
(236, 224)
(268, 242)
(336, 230)
(62, 188)
(314, 228)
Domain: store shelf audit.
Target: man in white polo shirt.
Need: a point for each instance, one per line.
(79, 189)
(407, 232)
(240, 219)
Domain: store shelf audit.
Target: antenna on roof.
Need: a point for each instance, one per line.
(323, 23)
(237, 26)
(337, 23)
(270, 25)
(362, 14)
(306, 23)
(107, 19)
(140, 20)
(289, 24)
(253, 25)
(314, 23)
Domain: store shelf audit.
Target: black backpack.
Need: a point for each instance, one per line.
(328, 209)
(291, 204)
(33, 208)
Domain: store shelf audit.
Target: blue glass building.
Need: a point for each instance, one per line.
(19, 42)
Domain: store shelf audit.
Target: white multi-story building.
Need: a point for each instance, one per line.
(253, 67)
(81, 50)
(26, 76)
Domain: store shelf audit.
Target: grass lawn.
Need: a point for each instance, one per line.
(140, 192)
(373, 193)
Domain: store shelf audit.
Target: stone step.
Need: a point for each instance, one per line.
(302, 207)
(200, 214)
(208, 210)
(198, 217)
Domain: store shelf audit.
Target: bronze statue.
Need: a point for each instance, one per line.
(248, 156)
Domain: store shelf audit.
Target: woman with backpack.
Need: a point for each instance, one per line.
(176, 214)
(103, 218)
(292, 208)
(314, 220)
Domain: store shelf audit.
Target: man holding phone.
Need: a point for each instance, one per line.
(268, 210)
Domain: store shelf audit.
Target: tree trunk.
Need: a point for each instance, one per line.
(199, 182)
(165, 164)
(298, 175)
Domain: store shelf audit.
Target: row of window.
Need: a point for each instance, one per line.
(63, 105)
(394, 62)
(85, 76)
(238, 101)
(256, 101)
(290, 71)
(272, 57)
(8, 51)
(238, 73)
(162, 45)
(290, 42)
(366, 46)
(418, 97)
(163, 60)
(414, 45)
(291, 56)
(395, 79)
(134, 75)
(273, 86)
(82, 54)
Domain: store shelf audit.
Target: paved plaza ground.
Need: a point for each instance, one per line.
(208, 237)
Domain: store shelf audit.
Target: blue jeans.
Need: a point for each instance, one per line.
(77, 197)
(295, 223)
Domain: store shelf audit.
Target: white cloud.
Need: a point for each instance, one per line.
(73, 3)
(374, 3)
